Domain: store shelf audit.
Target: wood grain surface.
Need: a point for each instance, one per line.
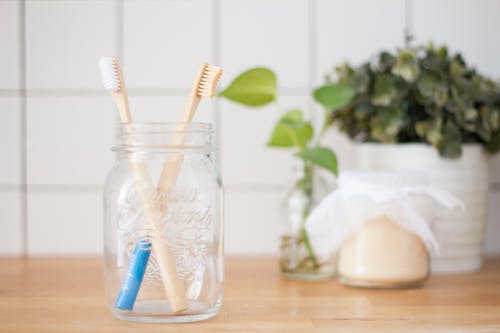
(66, 295)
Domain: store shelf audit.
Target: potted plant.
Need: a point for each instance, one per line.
(423, 109)
(257, 87)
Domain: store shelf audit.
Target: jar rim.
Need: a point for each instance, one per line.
(167, 127)
(164, 136)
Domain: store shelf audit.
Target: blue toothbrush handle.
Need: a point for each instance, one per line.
(133, 278)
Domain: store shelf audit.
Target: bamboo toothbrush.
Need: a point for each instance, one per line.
(204, 85)
(113, 81)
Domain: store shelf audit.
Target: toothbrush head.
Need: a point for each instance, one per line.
(207, 82)
(110, 73)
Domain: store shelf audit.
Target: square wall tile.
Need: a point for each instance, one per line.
(344, 148)
(11, 237)
(244, 134)
(167, 109)
(65, 40)
(69, 140)
(355, 30)
(467, 26)
(10, 140)
(65, 224)
(10, 45)
(252, 222)
(269, 33)
(166, 41)
(492, 232)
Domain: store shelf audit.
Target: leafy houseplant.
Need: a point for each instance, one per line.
(257, 87)
(420, 94)
(432, 99)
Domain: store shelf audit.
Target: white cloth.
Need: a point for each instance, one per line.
(363, 196)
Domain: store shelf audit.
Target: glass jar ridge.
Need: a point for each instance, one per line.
(163, 228)
(164, 137)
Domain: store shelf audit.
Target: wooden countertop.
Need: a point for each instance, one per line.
(66, 295)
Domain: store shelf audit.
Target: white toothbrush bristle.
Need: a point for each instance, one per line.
(207, 85)
(109, 73)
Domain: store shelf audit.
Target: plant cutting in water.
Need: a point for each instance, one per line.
(257, 87)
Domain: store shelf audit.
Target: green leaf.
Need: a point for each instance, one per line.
(322, 157)
(333, 96)
(451, 144)
(456, 68)
(494, 145)
(291, 131)
(433, 89)
(386, 61)
(384, 90)
(254, 87)
(430, 130)
(386, 124)
(406, 66)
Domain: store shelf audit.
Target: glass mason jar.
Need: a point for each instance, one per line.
(163, 230)
(298, 259)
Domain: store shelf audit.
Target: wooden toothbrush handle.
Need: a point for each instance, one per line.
(172, 165)
(166, 261)
(168, 270)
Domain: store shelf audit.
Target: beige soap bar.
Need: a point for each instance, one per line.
(383, 254)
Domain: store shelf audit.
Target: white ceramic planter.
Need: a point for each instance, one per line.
(460, 235)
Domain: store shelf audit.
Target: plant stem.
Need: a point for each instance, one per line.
(308, 191)
(308, 188)
(309, 248)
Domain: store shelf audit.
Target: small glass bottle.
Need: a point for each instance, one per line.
(163, 232)
(298, 260)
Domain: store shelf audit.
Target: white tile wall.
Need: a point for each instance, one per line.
(343, 147)
(252, 221)
(65, 223)
(10, 140)
(469, 26)
(353, 30)
(167, 108)
(11, 236)
(267, 33)
(68, 121)
(165, 41)
(69, 139)
(64, 40)
(10, 45)
(244, 134)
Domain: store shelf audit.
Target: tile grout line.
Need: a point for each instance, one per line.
(163, 92)
(313, 61)
(10, 92)
(119, 40)
(216, 107)
(90, 188)
(312, 6)
(119, 31)
(23, 130)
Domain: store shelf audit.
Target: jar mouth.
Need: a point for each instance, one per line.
(165, 127)
(164, 137)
